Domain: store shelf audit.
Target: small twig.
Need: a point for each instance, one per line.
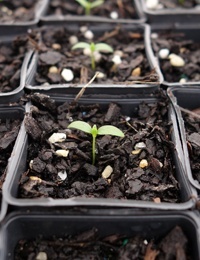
(111, 34)
(187, 111)
(81, 92)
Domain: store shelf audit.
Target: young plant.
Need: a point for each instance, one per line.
(103, 130)
(181, 2)
(98, 47)
(88, 5)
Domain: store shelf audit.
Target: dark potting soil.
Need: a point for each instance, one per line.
(88, 245)
(187, 49)
(17, 11)
(8, 133)
(125, 9)
(56, 52)
(176, 3)
(12, 54)
(50, 175)
(192, 128)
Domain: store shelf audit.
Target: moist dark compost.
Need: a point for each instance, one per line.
(17, 11)
(128, 63)
(183, 47)
(88, 245)
(178, 4)
(192, 128)
(8, 133)
(138, 166)
(124, 9)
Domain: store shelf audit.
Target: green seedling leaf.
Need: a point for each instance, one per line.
(96, 3)
(81, 45)
(84, 3)
(103, 47)
(110, 130)
(80, 125)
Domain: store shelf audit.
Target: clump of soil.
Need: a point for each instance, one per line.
(17, 11)
(179, 44)
(192, 128)
(176, 3)
(8, 133)
(89, 245)
(146, 125)
(124, 9)
(56, 54)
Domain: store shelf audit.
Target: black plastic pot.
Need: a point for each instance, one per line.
(153, 225)
(170, 17)
(22, 27)
(189, 32)
(71, 88)
(61, 19)
(6, 112)
(187, 98)
(18, 166)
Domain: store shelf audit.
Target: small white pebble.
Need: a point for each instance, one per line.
(97, 56)
(136, 72)
(152, 4)
(140, 145)
(53, 69)
(31, 164)
(145, 242)
(87, 52)
(67, 75)
(160, 6)
(83, 29)
(41, 256)
(143, 163)
(135, 152)
(62, 175)
(176, 60)
(154, 36)
(127, 118)
(63, 153)
(89, 35)
(163, 53)
(183, 80)
(107, 172)
(57, 138)
(56, 46)
(100, 75)
(119, 53)
(116, 59)
(114, 15)
(73, 39)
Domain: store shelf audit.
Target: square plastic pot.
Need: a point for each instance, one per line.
(18, 166)
(6, 112)
(170, 17)
(186, 98)
(70, 88)
(61, 19)
(190, 32)
(153, 225)
(22, 27)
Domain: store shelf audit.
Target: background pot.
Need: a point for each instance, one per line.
(153, 225)
(128, 105)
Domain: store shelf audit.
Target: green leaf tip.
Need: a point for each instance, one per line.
(110, 130)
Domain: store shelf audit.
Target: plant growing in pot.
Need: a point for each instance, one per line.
(126, 62)
(96, 10)
(137, 167)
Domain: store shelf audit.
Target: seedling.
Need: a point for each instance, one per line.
(181, 2)
(88, 5)
(103, 130)
(93, 48)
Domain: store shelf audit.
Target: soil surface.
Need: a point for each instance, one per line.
(125, 9)
(17, 11)
(55, 54)
(8, 133)
(177, 4)
(50, 175)
(192, 128)
(181, 45)
(88, 245)
(12, 54)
